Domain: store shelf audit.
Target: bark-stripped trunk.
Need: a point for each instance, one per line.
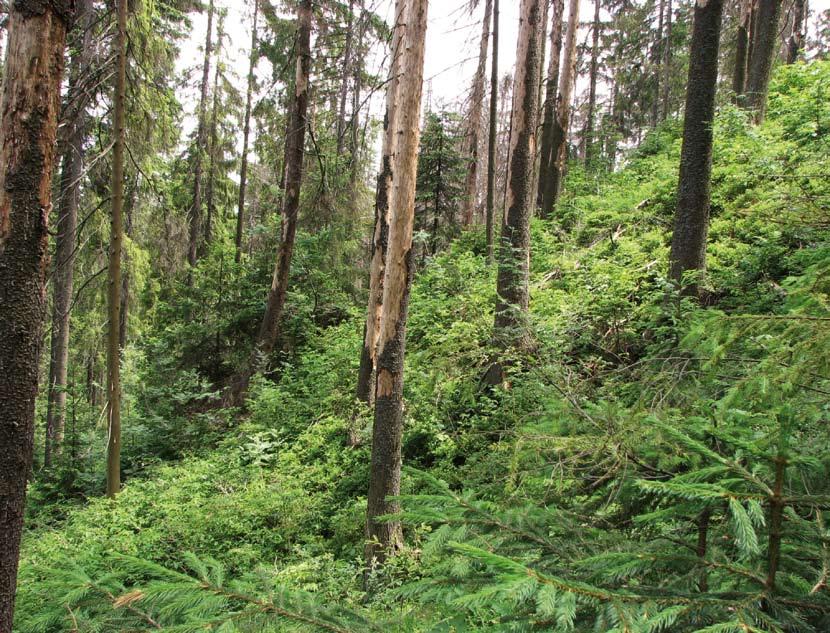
(510, 329)
(246, 134)
(551, 86)
(559, 148)
(383, 538)
(295, 156)
(114, 280)
(476, 106)
(691, 220)
(742, 49)
(667, 56)
(199, 144)
(492, 138)
(377, 268)
(64, 262)
(210, 189)
(344, 80)
(29, 111)
(592, 87)
(796, 41)
(763, 54)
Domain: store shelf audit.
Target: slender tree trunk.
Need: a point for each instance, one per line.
(510, 329)
(492, 138)
(763, 54)
(559, 149)
(796, 42)
(691, 220)
(295, 156)
(658, 59)
(114, 282)
(357, 89)
(64, 263)
(476, 106)
(551, 86)
(742, 49)
(29, 110)
(667, 65)
(199, 144)
(246, 133)
(124, 312)
(210, 198)
(344, 80)
(380, 237)
(592, 88)
(542, 96)
(384, 538)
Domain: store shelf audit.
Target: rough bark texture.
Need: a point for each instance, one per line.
(476, 107)
(295, 156)
(201, 131)
(64, 260)
(383, 538)
(796, 41)
(763, 54)
(29, 111)
(741, 49)
(380, 237)
(551, 86)
(514, 250)
(246, 134)
(491, 137)
(592, 83)
(114, 280)
(559, 150)
(691, 220)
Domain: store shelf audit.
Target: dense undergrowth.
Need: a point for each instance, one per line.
(654, 465)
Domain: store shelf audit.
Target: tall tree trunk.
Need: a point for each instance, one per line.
(344, 80)
(383, 538)
(357, 89)
(742, 49)
(246, 134)
(763, 54)
(199, 144)
(691, 220)
(476, 106)
(380, 237)
(510, 329)
(129, 210)
(492, 139)
(667, 57)
(592, 88)
(295, 156)
(551, 86)
(542, 97)
(29, 110)
(210, 189)
(658, 59)
(64, 262)
(559, 149)
(796, 41)
(114, 281)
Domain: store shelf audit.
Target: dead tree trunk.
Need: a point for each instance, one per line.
(64, 261)
(552, 85)
(559, 149)
(29, 110)
(384, 538)
(510, 329)
(199, 144)
(492, 139)
(691, 220)
(246, 134)
(763, 54)
(476, 107)
(295, 156)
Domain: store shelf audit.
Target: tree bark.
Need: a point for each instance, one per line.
(552, 85)
(476, 106)
(295, 156)
(380, 237)
(196, 210)
(210, 189)
(64, 264)
(658, 59)
(29, 110)
(667, 56)
(246, 134)
(742, 49)
(763, 54)
(796, 41)
(510, 329)
(559, 149)
(691, 220)
(592, 88)
(492, 138)
(344, 80)
(384, 538)
(114, 281)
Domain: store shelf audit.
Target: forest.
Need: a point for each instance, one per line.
(410, 316)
